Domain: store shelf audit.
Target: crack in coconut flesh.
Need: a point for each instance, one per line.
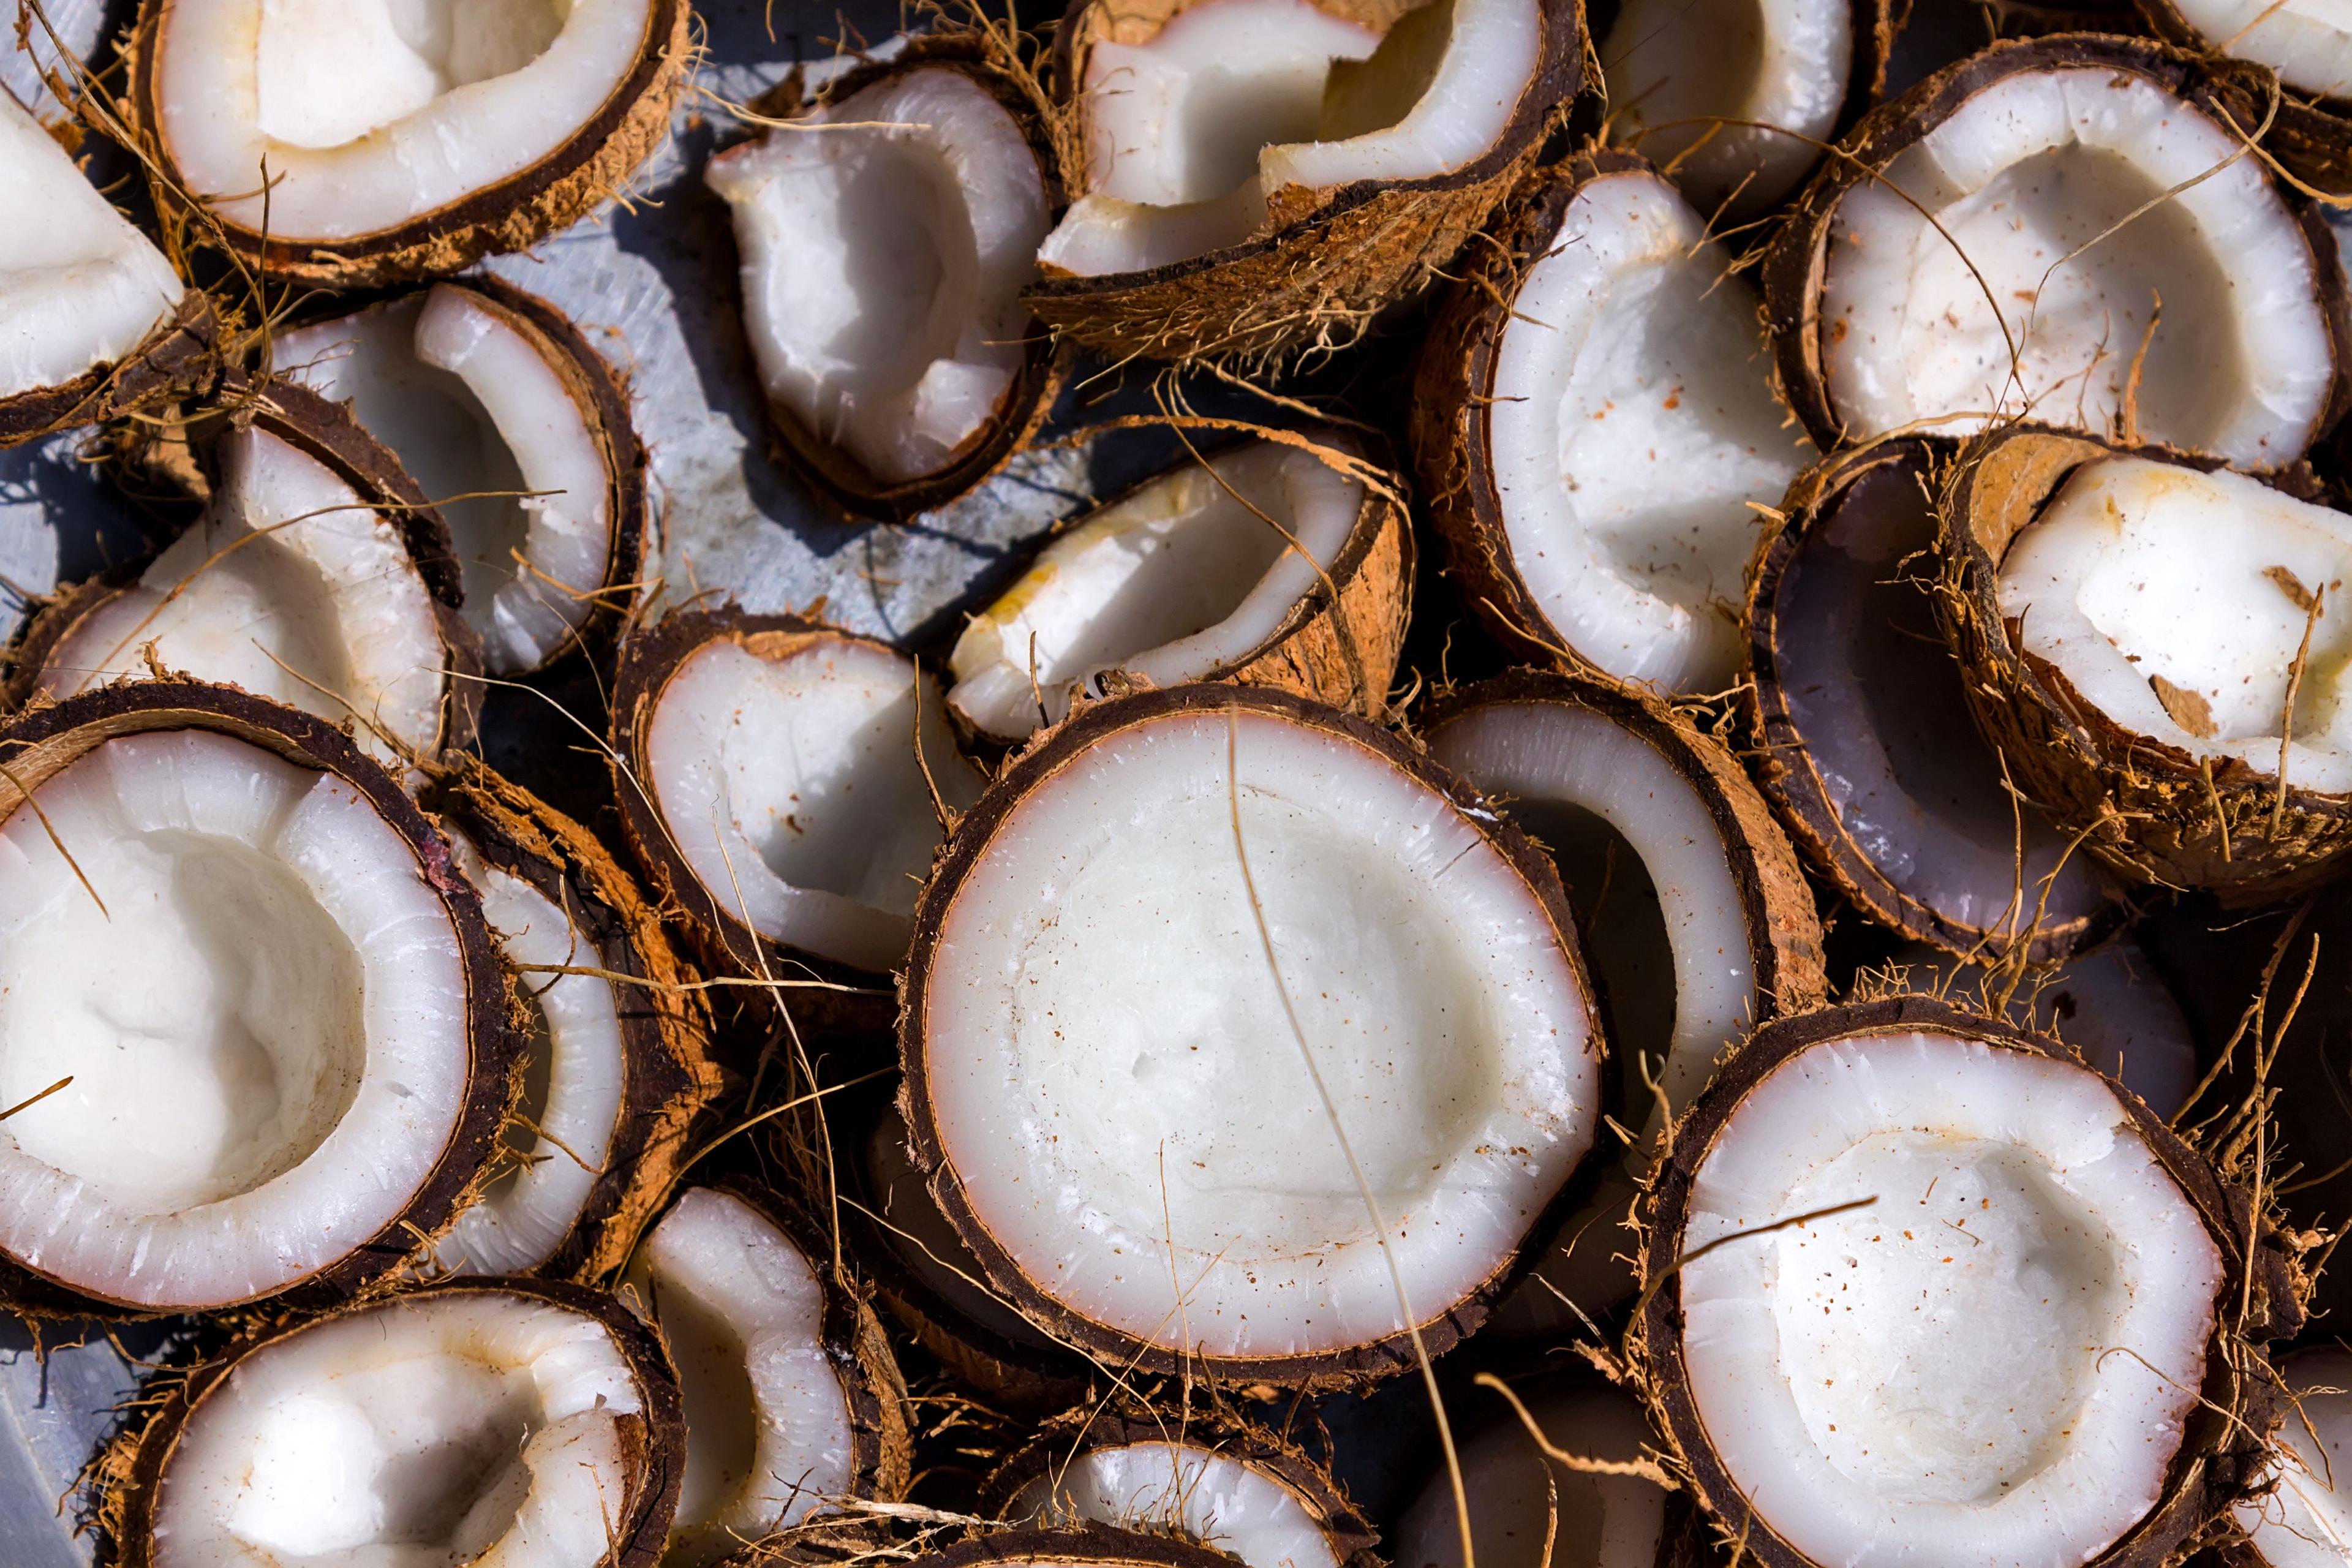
(919, 1235)
(2306, 1522)
(767, 1418)
(290, 587)
(265, 1025)
(1529, 1512)
(465, 1426)
(1183, 1489)
(1633, 422)
(2307, 42)
(1927, 1380)
(484, 423)
(2030, 169)
(84, 287)
(1194, 129)
(2177, 603)
(1179, 579)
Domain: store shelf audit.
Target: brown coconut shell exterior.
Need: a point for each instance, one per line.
(40, 742)
(1325, 261)
(829, 1545)
(179, 358)
(2142, 805)
(512, 214)
(1353, 1367)
(2225, 1440)
(653, 1438)
(2311, 136)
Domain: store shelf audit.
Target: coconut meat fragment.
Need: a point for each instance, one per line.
(1527, 1511)
(2178, 603)
(1187, 575)
(2306, 1522)
(919, 1235)
(79, 287)
(463, 1426)
(2307, 42)
(2000, 198)
(1195, 1492)
(469, 403)
(1634, 420)
(1193, 129)
(266, 1026)
(1923, 1380)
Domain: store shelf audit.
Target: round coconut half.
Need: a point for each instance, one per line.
(1859, 732)
(793, 1403)
(2071, 228)
(1595, 423)
(373, 142)
(1239, 1036)
(517, 1422)
(252, 1023)
(2156, 648)
(2305, 1521)
(1250, 176)
(887, 234)
(1924, 1289)
(1279, 564)
(519, 432)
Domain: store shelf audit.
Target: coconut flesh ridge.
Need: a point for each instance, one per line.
(1192, 131)
(1527, 1511)
(1246, 1510)
(2306, 1522)
(458, 1428)
(1181, 577)
(265, 1025)
(484, 424)
(2028, 170)
(2308, 45)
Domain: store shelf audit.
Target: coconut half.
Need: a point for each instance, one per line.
(2150, 275)
(519, 432)
(1595, 422)
(282, 1037)
(1259, 174)
(375, 143)
(1135, 948)
(2305, 1522)
(515, 1421)
(1220, 569)
(1858, 720)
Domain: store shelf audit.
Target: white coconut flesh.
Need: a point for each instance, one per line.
(487, 427)
(468, 1426)
(768, 1436)
(2307, 42)
(83, 287)
(2306, 1522)
(792, 789)
(1528, 1511)
(266, 1026)
(1100, 984)
(1633, 422)
(919, 1235)
(1190, 130)
(2177, 603)
(290, 585)
(371, 114)
(2029, 170)
(574, 1071)
(1990, 1362)
(883, 263)
(1187, 575)
(1245, 1509)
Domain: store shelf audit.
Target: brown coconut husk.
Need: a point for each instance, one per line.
(179, 359)
(2311, 137)
(867, 1545)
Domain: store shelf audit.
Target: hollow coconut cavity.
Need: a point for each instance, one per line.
(2149, 276)
(1105, 964)
(517, 1422)
(2305, 1522)
(400, 140)
(258, 1016)
(1596, 422)
(1858, 713)
(1220, 569)
(518, 432)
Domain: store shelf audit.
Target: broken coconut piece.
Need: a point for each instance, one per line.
(1263, 173)
(1142, 937)
(2158, 651)
(516, 1422)
(519, 432)
(2150, 275)
(276, 1010)
(792, 1398)
(370, 143)
(1859, 726)
(1595, 420)
(1922, 1370)
(886, 235)
(1220, 569)
(2306, 1519)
